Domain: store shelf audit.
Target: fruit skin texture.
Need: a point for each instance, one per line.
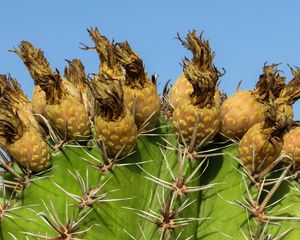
(291, 145)
(38, 100)
(185, 116)
(147, 103)
(239, 112)
(25, 113)
(116, 133)
(258, 148)
(39, 96)
(69, 115)
(31, 151)
(182, 89)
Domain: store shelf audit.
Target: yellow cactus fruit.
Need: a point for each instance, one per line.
(138, 88)
(257, 150)
(75, 73)
(288, 96)
(23, 142)
(291, 146)
(64, 107)
(38, 66)
(31, 151)
(69, 117)
(11, 127)
(184, 120)
(261, 145)
(109, 65)
(245, 108)
(198, 116)
(180, 91)
(114, 124)
(11, 91)
(240, 112)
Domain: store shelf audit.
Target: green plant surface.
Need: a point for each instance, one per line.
(126, 188)
(135, 190)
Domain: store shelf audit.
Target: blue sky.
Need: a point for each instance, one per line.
(244, 34)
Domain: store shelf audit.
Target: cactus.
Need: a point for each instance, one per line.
(124, 175)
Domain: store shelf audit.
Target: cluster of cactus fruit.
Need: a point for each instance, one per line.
(104, 156)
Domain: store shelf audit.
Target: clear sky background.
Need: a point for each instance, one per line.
(244, 34)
